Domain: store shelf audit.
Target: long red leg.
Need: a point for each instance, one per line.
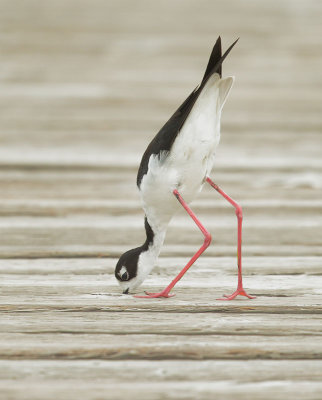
(206, 243)
(240, 290)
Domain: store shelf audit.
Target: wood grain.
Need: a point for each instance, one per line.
(84, 86)
(157, 347)
(73, 389)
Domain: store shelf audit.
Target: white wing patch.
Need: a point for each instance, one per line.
(224, 88)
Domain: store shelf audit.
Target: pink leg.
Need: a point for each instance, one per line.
(206, 243)
(240, 290)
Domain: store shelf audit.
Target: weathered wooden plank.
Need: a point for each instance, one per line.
(79, 95)
(88, 250)
(168, 250)
(113, 170)
(91, 251)
(61, 377)
(155, 347)
(203, 281)
(162, 370)
(93, 230)
(100, 158)
(186, 301)
(267, 265)
(162, 323)
(141, 114)
(119, 183)
(74, 389)
(134, 221)
(56, 207)
(27, 233)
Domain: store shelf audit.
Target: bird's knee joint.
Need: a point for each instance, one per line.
(239, 211)
(207, 240)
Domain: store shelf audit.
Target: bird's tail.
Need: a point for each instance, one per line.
(216, 59)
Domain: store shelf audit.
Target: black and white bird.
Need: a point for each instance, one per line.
(174, 168)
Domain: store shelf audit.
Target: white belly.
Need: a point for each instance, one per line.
(189, 162)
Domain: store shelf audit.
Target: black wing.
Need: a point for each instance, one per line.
(167, 134)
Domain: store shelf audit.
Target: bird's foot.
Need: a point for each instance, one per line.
(164, 293)
(238, 292)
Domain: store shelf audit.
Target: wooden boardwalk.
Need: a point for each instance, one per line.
(84, 86)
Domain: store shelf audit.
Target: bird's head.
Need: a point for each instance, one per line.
(132, 268)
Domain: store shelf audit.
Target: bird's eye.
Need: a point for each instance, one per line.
(125, 276)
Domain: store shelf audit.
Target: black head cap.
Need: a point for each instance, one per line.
(127, 265)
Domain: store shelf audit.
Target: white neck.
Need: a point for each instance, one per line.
(148, 258)
(158, 239)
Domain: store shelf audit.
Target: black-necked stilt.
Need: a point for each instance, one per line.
(174, 168)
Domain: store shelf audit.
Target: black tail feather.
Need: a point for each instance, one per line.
(215, 56)
(216, 59)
